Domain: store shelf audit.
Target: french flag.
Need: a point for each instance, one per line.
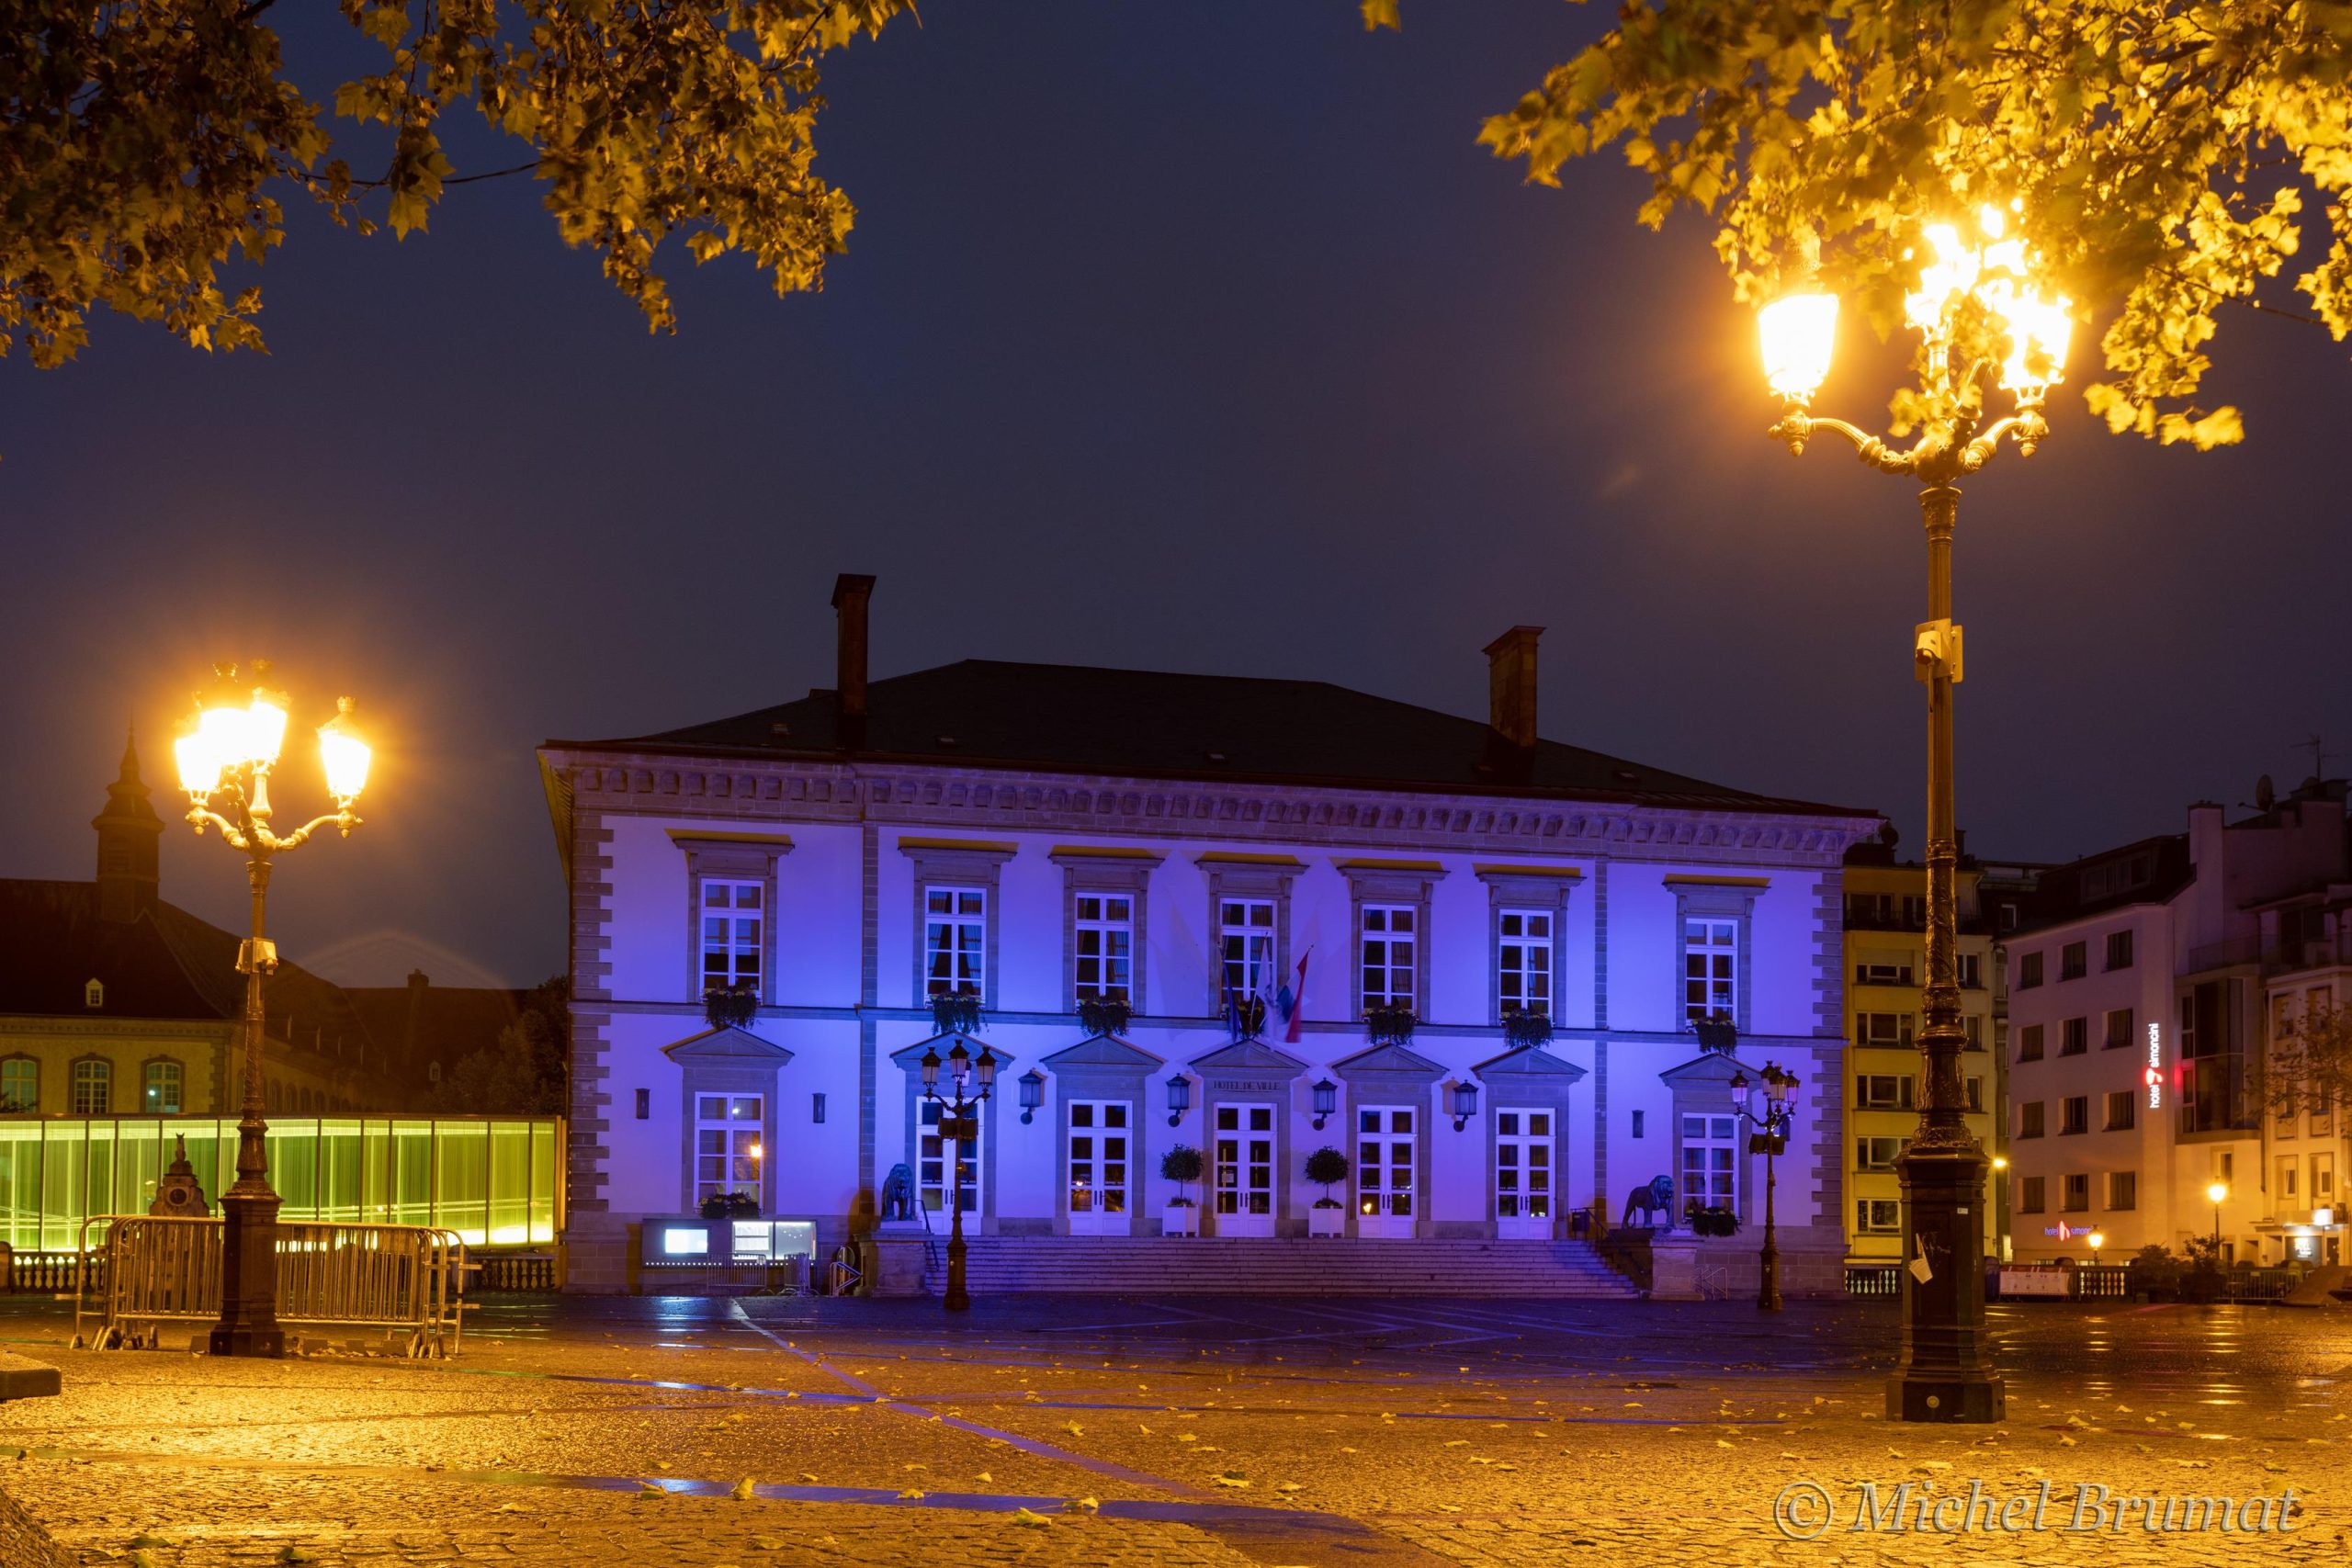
(1293, 1000)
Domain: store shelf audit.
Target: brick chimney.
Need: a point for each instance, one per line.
(1510, 685)
(851, 593)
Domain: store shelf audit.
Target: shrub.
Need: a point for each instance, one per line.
(731, 1206)
(1327, 1166)
(1183, 1165)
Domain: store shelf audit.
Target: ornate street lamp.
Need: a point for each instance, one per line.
(1970, 293)
(1771, 1119)
(960, 1125)
(226, 755)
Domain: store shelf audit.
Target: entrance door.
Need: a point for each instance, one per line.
(1386, 1198)
(932, 1161)
(1523, 1167)
(1245, 1169)
(1098, 1166)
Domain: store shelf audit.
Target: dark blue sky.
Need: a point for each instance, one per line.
(1195, 337)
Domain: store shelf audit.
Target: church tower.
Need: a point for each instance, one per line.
(130, 844)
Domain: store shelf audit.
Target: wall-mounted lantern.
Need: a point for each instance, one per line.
(1180, 1097)
(1033, 1095)
(1466, 1103)
(1327, 1100)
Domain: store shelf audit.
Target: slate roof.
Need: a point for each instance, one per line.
(164, 963)
(1137, 723)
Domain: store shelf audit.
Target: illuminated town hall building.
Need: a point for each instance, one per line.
(1320, 908)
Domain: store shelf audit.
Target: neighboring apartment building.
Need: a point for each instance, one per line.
(1886, 983)
(2144, 984)
(116, 1003)
(1043, 835)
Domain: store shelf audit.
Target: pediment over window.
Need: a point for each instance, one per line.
(1529, 1064)
(728, 1045)
(1104, 1051)
(1249, 1057)
(1711, 1070)
(1395, 1060)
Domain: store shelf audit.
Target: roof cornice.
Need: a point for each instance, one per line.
(972, 797)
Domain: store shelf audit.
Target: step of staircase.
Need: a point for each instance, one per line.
(1284, 1267)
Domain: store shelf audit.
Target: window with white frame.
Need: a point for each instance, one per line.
(1245, 937)
(1523, 960)
(732, 917)
(20, 1085)
(1878, 1216)
(1882, 1029)
(728, 1152)
(1389, 935)
(2288, 1172)
(1710, 969)
(1876, 1154)
(1710, 1155)
(160, 1095)
(2323, 1181)
(955, 941)
(1883, 1091)
(1103, 943)
(93, 1086)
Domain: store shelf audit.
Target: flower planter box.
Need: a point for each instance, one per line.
(1327, 1219)
(1179, 1219)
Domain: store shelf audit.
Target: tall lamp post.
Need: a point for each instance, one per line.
(2219, 1194)
(1770, 1139)
(226, 755)
(1970, 293)
(960, 1121)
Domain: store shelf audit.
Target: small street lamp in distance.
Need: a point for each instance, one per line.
(226, 755)
(2219, 1193)
(960, 1125)
(1773, 1119)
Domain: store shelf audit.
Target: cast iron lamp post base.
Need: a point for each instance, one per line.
(1946, 1372)
(248, 1322)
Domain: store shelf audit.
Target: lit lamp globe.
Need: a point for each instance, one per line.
(199, 761)
(2216, 1192)
(1798, 331)
(343, 756)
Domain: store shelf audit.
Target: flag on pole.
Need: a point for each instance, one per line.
(1232, 1013)
(1293, 1000)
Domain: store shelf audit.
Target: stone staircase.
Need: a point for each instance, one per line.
(1158, 1266)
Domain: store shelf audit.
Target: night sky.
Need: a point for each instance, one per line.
(1191, 337)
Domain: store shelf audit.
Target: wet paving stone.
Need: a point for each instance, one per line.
(1365, 1433)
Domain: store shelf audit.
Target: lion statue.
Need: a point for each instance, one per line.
(1652, 1201)
(899, 1193)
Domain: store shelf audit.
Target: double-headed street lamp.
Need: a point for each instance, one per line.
(1771, 1119)
(959, 1124)
(226, 755)
(1973, 296)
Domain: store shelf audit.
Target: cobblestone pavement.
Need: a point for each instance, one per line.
(1366, 1433)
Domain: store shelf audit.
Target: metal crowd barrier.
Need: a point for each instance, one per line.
(151, 1269)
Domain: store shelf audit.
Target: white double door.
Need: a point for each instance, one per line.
(1388, 1170)
(1525, 1162)
(1098, 1168)
(1244, 1169)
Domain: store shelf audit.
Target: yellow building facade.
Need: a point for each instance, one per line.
(1886, 980)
